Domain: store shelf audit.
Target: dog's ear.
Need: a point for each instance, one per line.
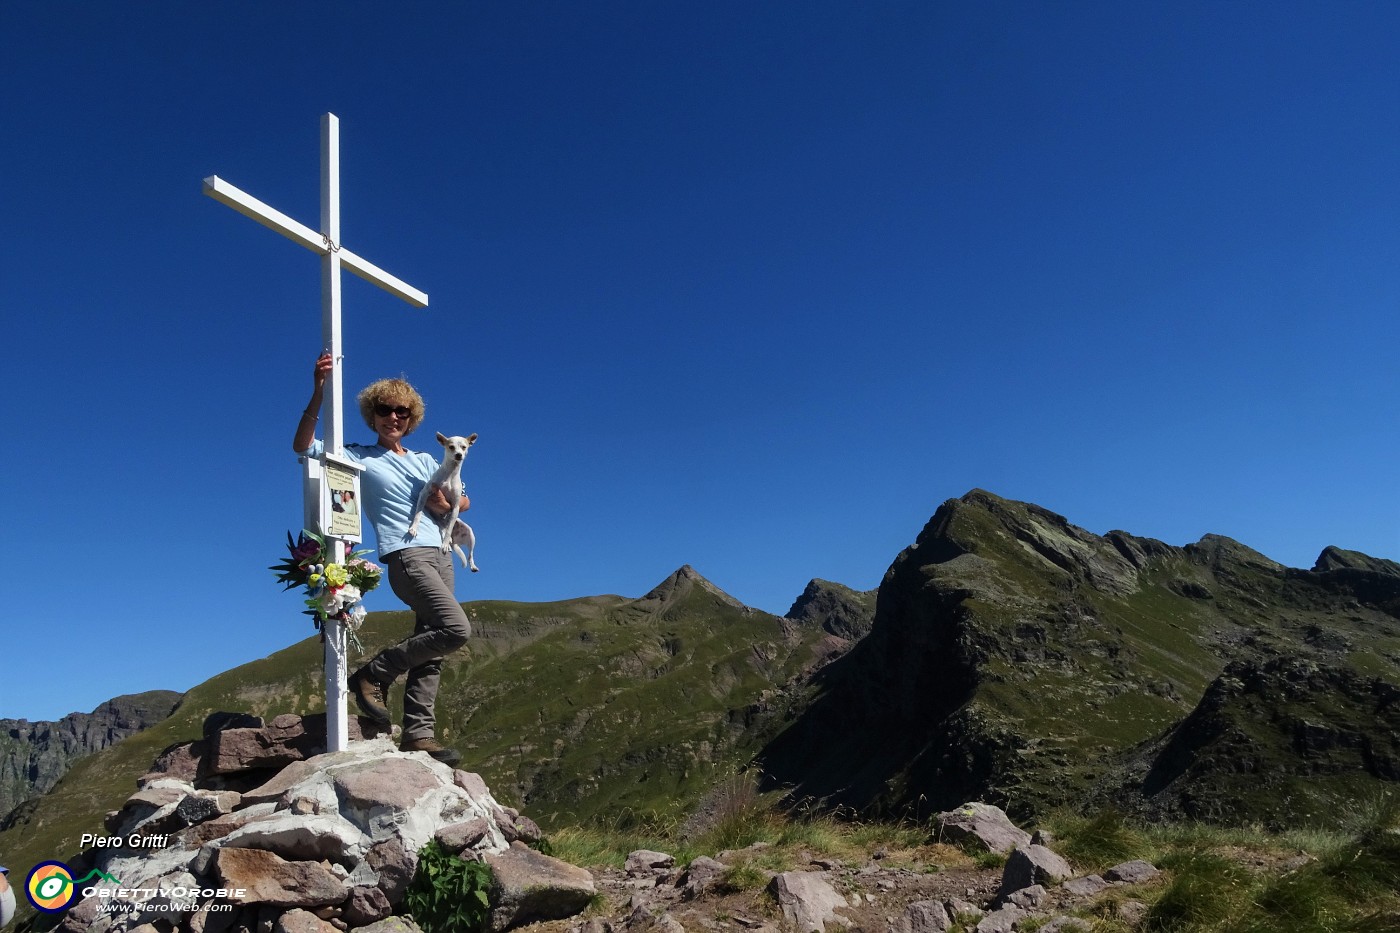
(471, 439)
(441, 439)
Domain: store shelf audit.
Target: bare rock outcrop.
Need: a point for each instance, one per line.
(807, 900)
(981, 825)
(530, 886)
(1032, 865)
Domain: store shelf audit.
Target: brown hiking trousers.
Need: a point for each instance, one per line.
(422, 577)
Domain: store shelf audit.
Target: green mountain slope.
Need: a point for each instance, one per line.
(631, 705)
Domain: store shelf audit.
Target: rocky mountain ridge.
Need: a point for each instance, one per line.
(1017, 658)
(35, 755)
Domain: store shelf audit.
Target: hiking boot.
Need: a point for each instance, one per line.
(371, 696)
(448, 756)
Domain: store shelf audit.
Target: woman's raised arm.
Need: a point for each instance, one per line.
(306, 427)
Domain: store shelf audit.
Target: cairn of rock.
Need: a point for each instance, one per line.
(315, 843)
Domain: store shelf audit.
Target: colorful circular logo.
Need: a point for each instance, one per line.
(50, 887)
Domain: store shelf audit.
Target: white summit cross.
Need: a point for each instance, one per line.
(333, 256)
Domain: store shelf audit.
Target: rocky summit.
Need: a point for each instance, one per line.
(836, 609)
(251, 829)
(1017, 658)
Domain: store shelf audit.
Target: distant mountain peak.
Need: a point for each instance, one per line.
(1218, 550)
(834, 608)
(678, 586)
(1335, 558)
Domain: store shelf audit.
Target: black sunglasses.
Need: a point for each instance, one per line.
(385, 411)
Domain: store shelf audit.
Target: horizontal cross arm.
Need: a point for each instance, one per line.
(273, 219)
(269, 217)
(377, 276)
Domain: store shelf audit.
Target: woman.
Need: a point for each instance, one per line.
(420, 573)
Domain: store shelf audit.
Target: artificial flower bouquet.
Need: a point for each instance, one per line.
(333, 591)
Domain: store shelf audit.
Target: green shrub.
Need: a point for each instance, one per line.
(989, 859)
(741, 816)
(1300, 902)
(1206, 890)
(448, 895)
(741, 878)
(1099, 842)
(1368, 870)
(602, 846)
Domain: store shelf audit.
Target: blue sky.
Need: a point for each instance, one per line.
(750, 286)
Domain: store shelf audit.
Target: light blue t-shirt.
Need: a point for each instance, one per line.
(389, 488)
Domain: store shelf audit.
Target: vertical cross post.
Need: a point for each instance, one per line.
(337, 726)
(333, 257)
(330, 273)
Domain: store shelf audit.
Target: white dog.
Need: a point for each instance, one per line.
(448, 478)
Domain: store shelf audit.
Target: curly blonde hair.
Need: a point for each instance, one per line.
(393, 392)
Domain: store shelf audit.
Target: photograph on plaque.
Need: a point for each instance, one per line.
(343, 510)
